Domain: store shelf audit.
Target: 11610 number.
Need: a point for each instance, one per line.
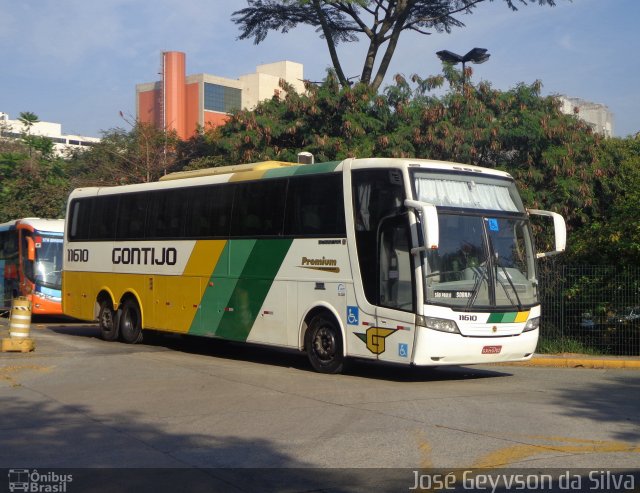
(77, 255)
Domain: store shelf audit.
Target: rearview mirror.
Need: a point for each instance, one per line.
(559, 231)
(430, 225)
(31, 249)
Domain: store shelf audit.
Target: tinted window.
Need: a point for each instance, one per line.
(315, 206)
(377, 194)
(131, 216)
(80, 219)
(209, 211)
(259, 208)
(103, 214)
(166, 214)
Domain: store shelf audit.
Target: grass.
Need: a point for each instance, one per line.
(547, 345)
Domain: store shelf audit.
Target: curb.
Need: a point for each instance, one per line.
(591, 363)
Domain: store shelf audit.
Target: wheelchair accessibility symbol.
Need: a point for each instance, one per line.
(403, 350)
(352, 315)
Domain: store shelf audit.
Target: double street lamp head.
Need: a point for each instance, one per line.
(476, 55)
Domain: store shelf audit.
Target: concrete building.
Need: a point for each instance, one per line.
(595, 114)
(62, 143)
(183, 102)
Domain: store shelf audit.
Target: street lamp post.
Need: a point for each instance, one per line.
(476, 55)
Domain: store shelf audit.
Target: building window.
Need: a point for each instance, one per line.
(221, 98)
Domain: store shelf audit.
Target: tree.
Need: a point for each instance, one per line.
(612, 234)
(552, 156)
(140, 155)
(31, 183)
(28, 120)
(381, 22)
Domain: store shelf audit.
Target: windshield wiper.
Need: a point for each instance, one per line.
(481, 276)
(506, 274)
(513, 287)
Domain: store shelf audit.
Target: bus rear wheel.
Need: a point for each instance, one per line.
(130, 322)
(107, 321)
(323, 342)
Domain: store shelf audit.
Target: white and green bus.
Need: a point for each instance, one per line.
(400, 260)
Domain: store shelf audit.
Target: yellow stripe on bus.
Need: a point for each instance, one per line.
(247, 175)
(204, 257)
(167, 302)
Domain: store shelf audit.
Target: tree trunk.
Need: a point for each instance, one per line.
(398, 27)
(335, 60)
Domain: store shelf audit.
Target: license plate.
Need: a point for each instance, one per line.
(491, 349)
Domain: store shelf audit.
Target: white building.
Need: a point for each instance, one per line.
(595, 114)
(265, 81)
(61, 143)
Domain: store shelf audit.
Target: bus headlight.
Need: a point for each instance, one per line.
(532, 324)
(439, 324)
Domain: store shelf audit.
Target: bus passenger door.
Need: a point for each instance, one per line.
(395, 312)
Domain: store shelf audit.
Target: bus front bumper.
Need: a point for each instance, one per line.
(434, 348)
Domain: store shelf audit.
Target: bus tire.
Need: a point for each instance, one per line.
(130, 322)
(107, 321)
(323, 342)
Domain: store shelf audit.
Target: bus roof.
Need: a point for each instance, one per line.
(274, 169)
(363, 162)
(44, 225)
(430, 164)
(223, 170)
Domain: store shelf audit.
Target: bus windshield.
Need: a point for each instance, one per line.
(482, 262)
(485, 259)
(48, 264)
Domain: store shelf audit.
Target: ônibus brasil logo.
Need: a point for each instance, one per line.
(36, 482)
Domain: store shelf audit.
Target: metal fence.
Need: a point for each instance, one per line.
(590, 309)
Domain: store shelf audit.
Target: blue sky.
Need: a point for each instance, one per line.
(77, 62)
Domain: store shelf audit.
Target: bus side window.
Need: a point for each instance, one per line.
(315, 206)
(131, 216)
(80, 212)
(209, 211)
(258, 208)
(166, 214)
(395, 266)
(102, 225)
(377, 194)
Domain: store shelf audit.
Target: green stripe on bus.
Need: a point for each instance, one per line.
(502, 318)
(280, 172)
(304, 169)
(309, 169)
(221, 286)
(251, 289)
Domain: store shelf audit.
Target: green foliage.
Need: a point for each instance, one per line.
(28, 119)
(140, 155)
(552, 156)
(329, 121)
(612, 235)
(559, 345)
(31, 183)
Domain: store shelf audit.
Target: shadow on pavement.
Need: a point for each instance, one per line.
(289, 358)
(120, 452)
(617, 401)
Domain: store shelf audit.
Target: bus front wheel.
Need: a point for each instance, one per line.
(324, 345)
(130, 322)
(107, 321)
